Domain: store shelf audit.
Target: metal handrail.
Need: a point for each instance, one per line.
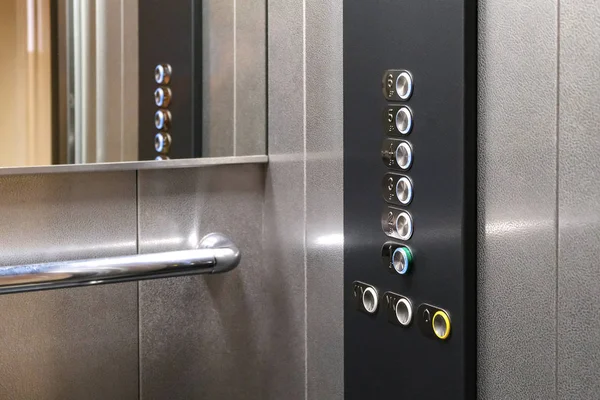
(216, 254)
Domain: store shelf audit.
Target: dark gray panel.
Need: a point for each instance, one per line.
(231, 336)
(579, 201)
(324, 200)
(517, 199)
(73, 343)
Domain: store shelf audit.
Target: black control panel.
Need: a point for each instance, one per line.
(410, 199)
(170, 79)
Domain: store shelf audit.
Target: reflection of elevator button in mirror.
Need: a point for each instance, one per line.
(404, 155)
(404, 190)
(162, 74)
(441, 325)
(404, 120)
(402, 259)
(162, 97)
(404, 226)
(162, 142)
(162, 119)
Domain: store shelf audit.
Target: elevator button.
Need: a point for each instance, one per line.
(162, 142)
(404, 226)
(162, 119)
(404, 155)
(404, 190)
(402, 259)
(162, 74)
(404, 120)
(162, 97)
(441, 325)
(404, 85)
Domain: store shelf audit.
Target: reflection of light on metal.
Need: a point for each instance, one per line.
(30, 26)
(193, 239)
(95, 282)
(516, 226)
(334, 239)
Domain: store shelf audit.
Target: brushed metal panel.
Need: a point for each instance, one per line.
(232, 336)
(517, 199)
(218, 85)
(324, 200)
(250, 131)
(579, 201)
(285, 195)
(74, 343)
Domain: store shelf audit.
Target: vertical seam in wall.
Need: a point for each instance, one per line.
(234, 77)
(305, 201)
(139, 317)
(557, 216)
(122, 90)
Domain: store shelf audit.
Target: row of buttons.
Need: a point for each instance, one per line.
(162, 117)
(432, 321)
(396, 153)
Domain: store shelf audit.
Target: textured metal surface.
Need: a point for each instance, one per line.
(250, 77)
(517, 199)
(578, 348)
(77, 343)
(235, 336)
(234, 75)
(324, 200)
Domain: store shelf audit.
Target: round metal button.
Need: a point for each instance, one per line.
(404, 85)
(404, 155)
(402, 260)
(404, 190)
(162, 119)
(162, 97)
(404, 121)
(404, 312)
(162, 74)
(404, 226)
(162, 142)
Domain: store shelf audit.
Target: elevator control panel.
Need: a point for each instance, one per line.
(410, 199)
(170, 79)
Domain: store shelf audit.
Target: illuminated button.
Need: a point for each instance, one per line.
(370, 300)
(404, 226)
(404, 155)
(404, 312)
(404, 120)
(441, 325)
(404, 85)
(162, 97)
(402, 259)
(162, 142)
(162, 74)
(404, 190)
(162, 119)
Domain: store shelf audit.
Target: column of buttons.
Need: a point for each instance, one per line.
(397, 155)
(162, 117)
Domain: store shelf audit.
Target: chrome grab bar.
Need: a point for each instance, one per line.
(216, 253)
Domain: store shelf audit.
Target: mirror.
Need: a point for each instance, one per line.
(95, 81)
